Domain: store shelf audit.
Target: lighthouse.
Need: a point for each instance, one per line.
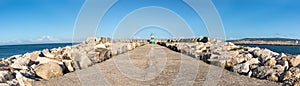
(152, 40)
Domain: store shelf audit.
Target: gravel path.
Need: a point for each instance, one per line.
(153, 65)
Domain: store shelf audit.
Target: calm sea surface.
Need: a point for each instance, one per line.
(294, 50)
(10, 50)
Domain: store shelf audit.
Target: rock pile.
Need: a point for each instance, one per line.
(49, 63)
(252, 62)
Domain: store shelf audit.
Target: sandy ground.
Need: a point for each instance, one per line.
(153, 65)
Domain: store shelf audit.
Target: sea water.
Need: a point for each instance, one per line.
(10, 50)
(294, 50)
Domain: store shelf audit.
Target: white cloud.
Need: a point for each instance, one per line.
(42, 39)
(46, 39)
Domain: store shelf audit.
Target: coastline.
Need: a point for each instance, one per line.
(256, 43)
(39, 44)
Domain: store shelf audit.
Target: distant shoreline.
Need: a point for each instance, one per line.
(36, 44)
(237, 43)
(268, 41)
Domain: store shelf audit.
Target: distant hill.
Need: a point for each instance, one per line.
(264, 39)
(267, 41)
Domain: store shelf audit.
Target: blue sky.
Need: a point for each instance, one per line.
(41, 21)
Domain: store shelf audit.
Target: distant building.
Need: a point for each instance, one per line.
(297, 42)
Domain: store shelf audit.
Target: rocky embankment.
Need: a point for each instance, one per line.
(22, 70)
(248, 61)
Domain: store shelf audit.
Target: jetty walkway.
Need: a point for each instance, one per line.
(153, 65)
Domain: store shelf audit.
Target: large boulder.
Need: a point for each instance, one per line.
(133, 45)
(199, 46)
(48, 70)
(69, 65)
(129, 47)
(100, 46)
(253, 61)
(42, 60)
(204, 40)
(292, 77)
(32, 56)
(5, 76)
(21, 63)
(241, 68)
(270, 62)
(268, 72)
(24, 81)
(47, 53)
(294, 72)
(273, 77)
(81, 61)
(263, 54)
(104, 54)
(238, 59)
(295, 61)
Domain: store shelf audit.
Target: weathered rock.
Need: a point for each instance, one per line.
(238, 59)
(21, 63)
(295, 61)
(253, 61)
(28, 73)
(264, 72)
(47, 53)
(283, 63)
(232, 62)
(48, 70)
(104, 54)
(91, 40)
(199, 46)
(286, 65)
(297, 83)
(293, 81)
(42, 60)
(287, 75)
(295, 71)
(249, 74)
(99, 46)
(24, 81)
(13, 57)
(57, 51)
(32, 56)
(270, 62)
(204, 39)
(133, 45)
(241, 68)
(129, 47)
(282, 55)
(264, 54)
(81, 61)
(272, 77)
(5, 76)
(108, 45)
(4, 84)
(69, 65)
(13, 82)
(114, 52)
(220, 63)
